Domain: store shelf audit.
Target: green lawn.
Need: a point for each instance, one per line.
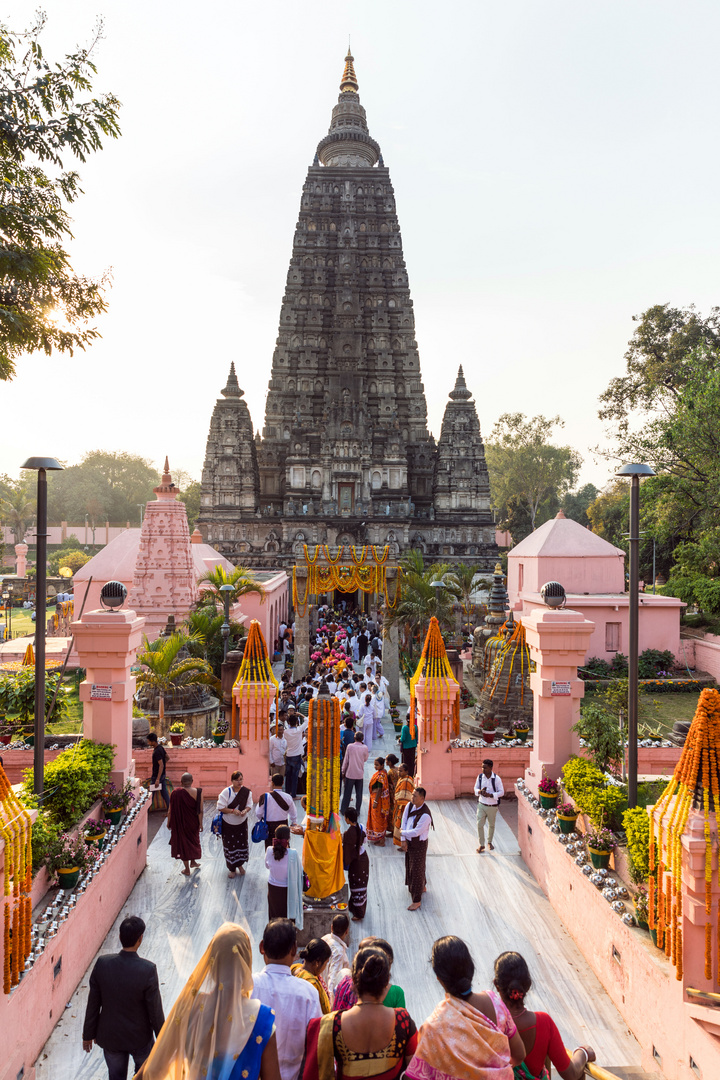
(21, 621)
(664, 709)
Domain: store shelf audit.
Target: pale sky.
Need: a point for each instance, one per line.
(555, 167)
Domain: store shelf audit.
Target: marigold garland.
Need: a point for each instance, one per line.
(696, 779)
(256, 673)
(324, 759)
(360, 575)
(16, 832)
(435, 666)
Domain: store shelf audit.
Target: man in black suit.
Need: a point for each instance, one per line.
(124, 1009)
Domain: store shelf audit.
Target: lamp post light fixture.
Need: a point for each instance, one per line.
(41, 465)
(634, 472)
(227, 591)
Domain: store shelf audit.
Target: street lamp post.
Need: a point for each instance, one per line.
(634, 472)
(227, 591)
(41, 465)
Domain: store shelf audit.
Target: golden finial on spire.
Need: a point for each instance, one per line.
(349, 80)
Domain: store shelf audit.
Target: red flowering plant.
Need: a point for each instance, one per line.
(547, 786)
(566, 809)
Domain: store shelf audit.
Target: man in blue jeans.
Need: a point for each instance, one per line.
(294, 733)
(353, 769)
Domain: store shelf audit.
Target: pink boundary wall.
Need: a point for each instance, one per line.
(276, 597)
(640, 980)
(31, 1011)
(703, 654)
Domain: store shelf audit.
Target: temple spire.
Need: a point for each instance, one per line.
(460, 392)
(349, 80)
(232, 388)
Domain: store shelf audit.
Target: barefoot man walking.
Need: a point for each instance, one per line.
(416, 822)
(185, 821)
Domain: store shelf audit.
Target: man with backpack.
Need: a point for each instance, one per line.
(489, 790)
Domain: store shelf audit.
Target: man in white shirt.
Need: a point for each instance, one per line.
(338, 966)
(489, 790)
(277, 746)
(294, 733)
(414, 832)
(295, 1002)
(275, 806)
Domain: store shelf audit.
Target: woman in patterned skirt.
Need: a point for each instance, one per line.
(403, 794)
(357, 864)
(235, 803)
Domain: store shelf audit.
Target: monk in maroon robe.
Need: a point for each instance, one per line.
(185, 821)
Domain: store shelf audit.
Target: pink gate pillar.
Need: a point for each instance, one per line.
(435, 723)
(106, 644)
(693, 903)
(558, 643)
(21, 551)
(252, 703)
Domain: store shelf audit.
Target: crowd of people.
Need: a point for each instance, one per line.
(319, 1014)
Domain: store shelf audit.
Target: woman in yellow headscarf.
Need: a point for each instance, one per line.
(216, 1030)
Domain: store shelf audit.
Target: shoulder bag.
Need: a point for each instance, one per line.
(260, 828)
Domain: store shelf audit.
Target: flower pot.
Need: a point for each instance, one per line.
(567, 823)
(29, 739)
(521, 734)
(653, 935)
(548, 802)
(507, 737)
(218, 739)
(5, 739)
(176, 738)
(115, 816)
(98, 839)
(68, 877)
(488, 736)
(641, 922)
(600, 859)
(656, 740)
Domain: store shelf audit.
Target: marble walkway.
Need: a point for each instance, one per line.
(492, 901)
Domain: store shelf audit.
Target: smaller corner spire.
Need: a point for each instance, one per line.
(166, 470)
(349, 79)
(460, 391)
(232, 389)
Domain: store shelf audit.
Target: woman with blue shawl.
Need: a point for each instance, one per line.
(216, 1029)
(285, 879)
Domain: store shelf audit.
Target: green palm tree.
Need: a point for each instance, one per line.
(242, 580)
(17, 511)
(421, 597)
(468, 581)
(176, 679)
(204, 627)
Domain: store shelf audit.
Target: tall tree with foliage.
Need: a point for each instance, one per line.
(105, 485)
(47, 116)
(526, 469)
(420, 599)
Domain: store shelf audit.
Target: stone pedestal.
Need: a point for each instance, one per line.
(21, 551)
(434, 761)
(558, 643)
(318, 917)
(106, 643)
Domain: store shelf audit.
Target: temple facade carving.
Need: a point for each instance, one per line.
(345, 454)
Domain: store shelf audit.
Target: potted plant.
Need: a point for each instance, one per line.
(567, 817)
(177, 730)
(6, 733)
(652, 734)
(549, 790)
(67, 856)
(601, 842)
(220, 732)
(95, 830)
(522, 730)
(641, 908)
(115, 803)
(489, 727)
(509, 736)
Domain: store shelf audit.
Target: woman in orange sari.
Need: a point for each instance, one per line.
(469, 1035)
(379, 811)
(403, 794)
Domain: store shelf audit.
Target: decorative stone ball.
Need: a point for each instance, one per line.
(570, 848)
(587, 869)
(609, 895)
(598, 880)
(555, 828)
(628, 919)
(573, 836)
(581, 859)
(621, 891)
(603, 872)
(520, 783)
(562, 838)
(542, 812)
(619, 907)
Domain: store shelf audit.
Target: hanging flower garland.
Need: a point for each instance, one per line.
(257, 674)
(16, 831)
(696, 780)
(435, 666)
(323, 770)
(495, 655)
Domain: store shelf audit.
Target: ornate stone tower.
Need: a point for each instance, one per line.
(345, 454)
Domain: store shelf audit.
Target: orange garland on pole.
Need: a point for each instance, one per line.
(16, 831)
(435, 666)
(255, 671)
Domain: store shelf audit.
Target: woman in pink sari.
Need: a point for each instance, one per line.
(469, 1036)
